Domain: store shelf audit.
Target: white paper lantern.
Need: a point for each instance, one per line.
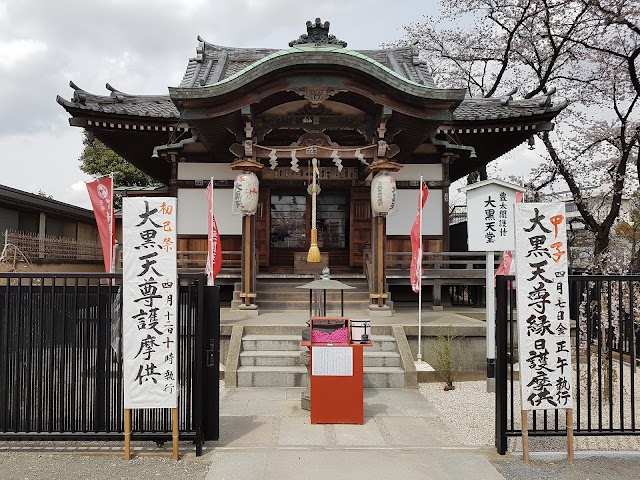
(383, 193)
(245, 193)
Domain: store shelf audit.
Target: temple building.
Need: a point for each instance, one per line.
(271, 112)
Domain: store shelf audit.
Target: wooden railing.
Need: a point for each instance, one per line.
(52, 249)
(460, 269)
(196, 261)
(451, 263)
(231, 260)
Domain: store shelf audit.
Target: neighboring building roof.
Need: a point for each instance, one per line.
(491, 181)
(25, 201)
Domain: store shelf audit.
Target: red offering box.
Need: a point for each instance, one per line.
(336, 377)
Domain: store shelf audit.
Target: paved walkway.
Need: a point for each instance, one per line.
(265, 435)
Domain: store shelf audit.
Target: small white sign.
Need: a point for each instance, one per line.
(544, 341)
(490, 215)
(149, 320)
(332, 361)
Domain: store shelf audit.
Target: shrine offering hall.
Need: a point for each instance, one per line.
(269, 113)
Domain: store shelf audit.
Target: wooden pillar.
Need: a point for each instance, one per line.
(173, 181)
(447, 159)
(378, 250)
(249, 261)
(248, 279)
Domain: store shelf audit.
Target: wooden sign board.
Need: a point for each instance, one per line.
(544, 335)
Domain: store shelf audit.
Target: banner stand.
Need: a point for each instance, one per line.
(175, 434)
(127, 434)
(525, 435)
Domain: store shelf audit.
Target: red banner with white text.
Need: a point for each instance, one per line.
(415, 271)
(214, 251)
(101, 195)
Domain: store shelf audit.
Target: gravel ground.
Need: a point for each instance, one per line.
(99, 460)
(469, 412)
(56, 466)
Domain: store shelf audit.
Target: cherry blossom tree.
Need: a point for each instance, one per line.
(587, 50)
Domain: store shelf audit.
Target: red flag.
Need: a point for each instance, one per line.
(416, 244)
(506, 266)
(214, 253)
(101, 195)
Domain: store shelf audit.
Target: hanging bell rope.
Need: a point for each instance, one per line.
(314, 251)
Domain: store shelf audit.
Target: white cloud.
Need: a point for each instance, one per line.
(14, 52)
(139, 48)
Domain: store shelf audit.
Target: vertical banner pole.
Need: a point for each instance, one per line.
(127, 434)
(419, 267)
(491, 323)
(176, 435)
(525, 437)
(570, 435)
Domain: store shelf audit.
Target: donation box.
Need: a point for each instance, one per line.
(336, 372)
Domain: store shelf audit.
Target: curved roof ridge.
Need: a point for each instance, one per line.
(316, 55)
(238, 58)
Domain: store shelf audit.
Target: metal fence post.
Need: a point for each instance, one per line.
(211, 380)
(502, 291)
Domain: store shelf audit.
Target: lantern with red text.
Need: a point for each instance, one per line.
(245, 193)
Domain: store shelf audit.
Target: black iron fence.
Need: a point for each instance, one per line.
(605, 315)
(61, 369)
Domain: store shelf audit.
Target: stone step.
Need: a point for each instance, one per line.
(332, 307)
(280, 287)
(381, 359)
(278, 358)
(303, 296)
(383, 377)
(292, 358)
(296, 376)
(382, 343)
(282, 376)
(271, 342)
(295, 282)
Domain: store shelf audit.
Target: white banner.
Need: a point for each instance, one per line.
(149, 320)
(544, 339)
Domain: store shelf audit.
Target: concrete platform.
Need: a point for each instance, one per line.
(466, 323)
(264, 435)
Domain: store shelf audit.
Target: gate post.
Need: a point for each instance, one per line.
(502, 290)
(211, 366)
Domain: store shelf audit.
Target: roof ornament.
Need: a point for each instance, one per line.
(79, 95)
(317, 34)
(545, 99)
(200, 50)
(506, 98)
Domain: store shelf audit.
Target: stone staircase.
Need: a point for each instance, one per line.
(268, 358)
(275, 294)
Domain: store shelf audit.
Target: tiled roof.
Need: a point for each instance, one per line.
(478, 109)
(119, 103)
(471, 109)
(214, 63)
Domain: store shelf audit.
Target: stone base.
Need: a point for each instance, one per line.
(249, 310)
(305, 401)
(305, 397)
(438, 308)
(384, 311)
